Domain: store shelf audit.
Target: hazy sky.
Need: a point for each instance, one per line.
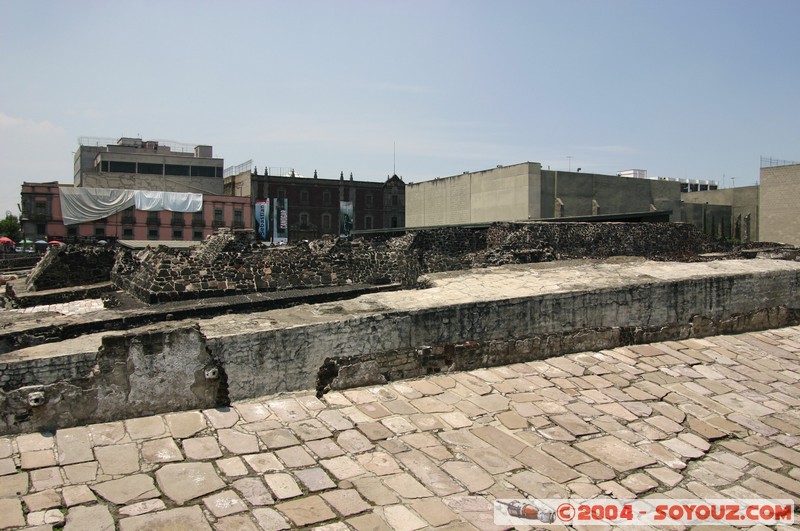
(691, 89)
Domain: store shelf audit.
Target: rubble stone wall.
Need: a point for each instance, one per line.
(231, 263)
(66, 266)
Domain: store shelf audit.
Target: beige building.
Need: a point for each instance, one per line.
(526, 191)
(134, 164)
(779, 212)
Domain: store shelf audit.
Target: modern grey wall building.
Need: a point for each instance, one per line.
(526, 191)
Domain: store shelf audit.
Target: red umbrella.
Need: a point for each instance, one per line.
(55, 242)
(4, 239)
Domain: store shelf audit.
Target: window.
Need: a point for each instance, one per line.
(127, 232)
(304, 197)
(40, 208)
(72, 231)
(151, 169)
(219, 217)
(197, 235)
(326, 221)
(197, 219)
(281, 193)
(122, 167)
(203, 171)
(304, 219)
(326, 197)
(368, 200)
(367, 222)
(41, 228)
(395, 200)
(152, 234)
(152, 218)
(128, 216)
(177, 219)
(99, 232)
(176, 169)
(394, 222)
(238, 218)
(177, 234)
(104, 166)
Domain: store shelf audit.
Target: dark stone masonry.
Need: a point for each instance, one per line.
(234, 262)
(71, 265)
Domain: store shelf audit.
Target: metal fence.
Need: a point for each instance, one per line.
(236, 170)
(769, 162)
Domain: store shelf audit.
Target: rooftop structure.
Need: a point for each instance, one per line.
(133, 163)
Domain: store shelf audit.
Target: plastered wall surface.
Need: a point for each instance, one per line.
(467, 319)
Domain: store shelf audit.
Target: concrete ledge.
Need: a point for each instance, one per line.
(467, 319)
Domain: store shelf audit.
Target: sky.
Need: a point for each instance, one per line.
(696, 89)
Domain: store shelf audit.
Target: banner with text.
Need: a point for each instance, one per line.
(281, 221)
(262, 218)
(346, 219)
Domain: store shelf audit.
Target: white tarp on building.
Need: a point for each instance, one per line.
(79, 205)
(173, 201)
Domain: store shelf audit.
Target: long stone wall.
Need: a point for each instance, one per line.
(233, 263)
(483, 318)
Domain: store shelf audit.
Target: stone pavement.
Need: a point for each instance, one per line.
(700, 418)
(65, 308)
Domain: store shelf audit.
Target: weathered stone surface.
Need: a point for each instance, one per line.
(95, 517)
(315, 479)
(182, 482)
(185, 424)
(74, 446)
(615, 453)
(309, 510)
(283, 486)
(11, 513)
(254, 491)
(270, 520)
(161, 451)
(118, 459)
(127, 489)
(224, 503)
(180, 518)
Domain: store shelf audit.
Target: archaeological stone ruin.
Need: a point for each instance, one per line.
(233, 319)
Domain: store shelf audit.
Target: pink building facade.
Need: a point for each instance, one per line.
(42, 219)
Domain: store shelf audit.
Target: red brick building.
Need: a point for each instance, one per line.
(314, 203)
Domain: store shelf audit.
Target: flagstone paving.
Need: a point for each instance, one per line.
(714, 417)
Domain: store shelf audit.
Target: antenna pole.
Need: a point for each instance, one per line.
(394, 158)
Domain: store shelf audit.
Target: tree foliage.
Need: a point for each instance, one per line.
(10, 228)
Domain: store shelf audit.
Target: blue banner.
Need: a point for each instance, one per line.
(262, 218)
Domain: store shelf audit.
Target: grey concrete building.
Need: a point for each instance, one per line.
(526, 191)
(131, 163)
(731, 213)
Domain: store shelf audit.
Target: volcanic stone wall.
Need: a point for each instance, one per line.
(71, 265)
(232, 263)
